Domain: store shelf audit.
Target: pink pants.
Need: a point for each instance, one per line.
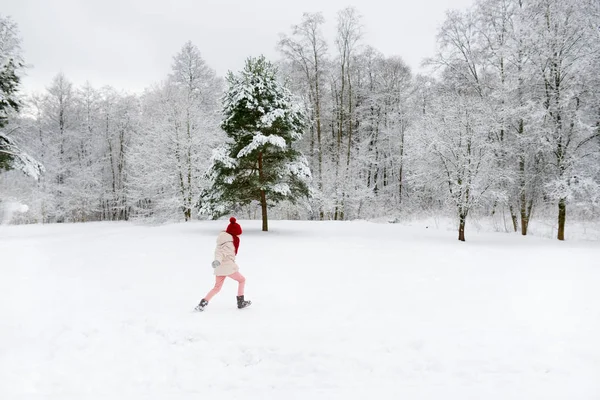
(219, 284)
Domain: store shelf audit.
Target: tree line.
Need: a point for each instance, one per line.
(507, 117)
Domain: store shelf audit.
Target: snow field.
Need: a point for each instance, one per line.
(348, 310)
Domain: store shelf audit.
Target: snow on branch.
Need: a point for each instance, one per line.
(21, 161)
(299, 168)
(267, 120)
(260, 140)
(220, 155)
(281, 188)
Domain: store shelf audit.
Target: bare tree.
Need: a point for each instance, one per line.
(306, 49)
(349, 32)
(561, 53)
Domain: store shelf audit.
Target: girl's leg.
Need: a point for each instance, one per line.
(241, 282)
(218, 285)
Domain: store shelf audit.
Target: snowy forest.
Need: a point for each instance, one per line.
(506, 121)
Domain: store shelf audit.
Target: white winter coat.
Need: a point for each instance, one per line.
(225, 254)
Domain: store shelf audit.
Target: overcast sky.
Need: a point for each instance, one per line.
(129, 44)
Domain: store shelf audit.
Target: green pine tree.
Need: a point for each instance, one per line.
(11, 64)
(258, 161)
(9, 84)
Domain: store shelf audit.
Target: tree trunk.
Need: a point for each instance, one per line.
(350, 119)
(513, 216)
(123, 213)
(461, 227)
(400, 172)
(562, 217)
(523, 188)
(319, 145)
(263, 205)
(188, 204)
(263, 196)
(524, 221)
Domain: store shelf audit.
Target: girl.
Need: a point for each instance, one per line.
(224, 264)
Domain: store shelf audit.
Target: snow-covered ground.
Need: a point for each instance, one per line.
(351, 310)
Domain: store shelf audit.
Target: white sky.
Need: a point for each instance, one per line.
(129, 44)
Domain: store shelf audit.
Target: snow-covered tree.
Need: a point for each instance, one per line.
(118, 117)
(59, 127)
(457, 153)
(179, 128)
(12, 157)
(508, 120)
(383, 113)
(258, 162)
(348, 36)
(306, 52)
(564, 51)
(11, 66)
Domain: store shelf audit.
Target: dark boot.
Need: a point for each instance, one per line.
(200, 307)
(243, 303)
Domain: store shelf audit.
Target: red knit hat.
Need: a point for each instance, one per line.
(234, 228)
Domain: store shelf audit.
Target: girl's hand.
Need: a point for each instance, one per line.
(216, 263)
